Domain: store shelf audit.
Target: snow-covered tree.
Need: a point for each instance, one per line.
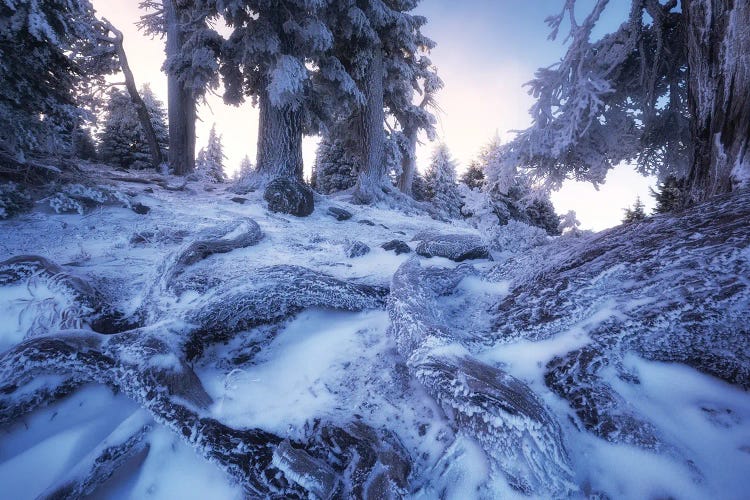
(122, 140)
(473, 177)
(210, 161)
(662, 91)
(334, 170)
(635, 213)
(273, 48)
(43, 70)
(669, 195)
(441, 182)
(381, 46)
(510, 192)
(192, 48)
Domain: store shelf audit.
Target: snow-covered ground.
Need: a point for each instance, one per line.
(329, 365)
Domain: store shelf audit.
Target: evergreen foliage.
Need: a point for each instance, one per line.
(473, 177)
(210, 161)
(669, 195)
(45, 47)
(635, 213)
(334, 169)
(122, 141)
(442, 187)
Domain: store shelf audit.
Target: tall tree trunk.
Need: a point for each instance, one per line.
(372, 180)
(181, 101)
(718, 35)
(140, 107)
(279, 141)
(408, 162)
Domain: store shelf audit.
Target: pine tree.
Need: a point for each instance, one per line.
(474, 176)
(245, 170)
(334, 169)
(441, 183)
(210, 161)
(192, 48)
(636, 213)
(669, 195)
(44, 51)
(122, 141)
(661, 91)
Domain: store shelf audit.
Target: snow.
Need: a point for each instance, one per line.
(333, 365)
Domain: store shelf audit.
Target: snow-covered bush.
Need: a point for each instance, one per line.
(12, 200)
(516, 236)
(78, 198)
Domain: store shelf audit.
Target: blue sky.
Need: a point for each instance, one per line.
(487, 50)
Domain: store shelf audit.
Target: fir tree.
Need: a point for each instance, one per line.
(334, 169)
(210, 161)
(441, 183)
(122, 141)
(474, 176)
(669, 195)
(660, 91)
(245, 170)
(45, 48)
(636, 213)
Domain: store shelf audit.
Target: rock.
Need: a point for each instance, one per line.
(366, 222)
(339, 213)
(140, 208)
(148, 190)
(456, 247)
(289, 196)
(239, 199)
(357, 249)
(397, 246)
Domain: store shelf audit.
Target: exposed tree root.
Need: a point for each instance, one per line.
(147, 364)
(87, 305)
(519, 435)
(125, 442)
(274, 293)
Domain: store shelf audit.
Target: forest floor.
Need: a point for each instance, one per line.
(324, 364)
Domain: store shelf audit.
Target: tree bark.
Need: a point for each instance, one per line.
(181, 101)
(279, 141)
(140, 107)
(408, 162)
(718, 98)
(373, 173)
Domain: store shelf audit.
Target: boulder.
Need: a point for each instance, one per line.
(397, 246)
(289, 196)
(357, 249)
(456, 247)
(339, 213)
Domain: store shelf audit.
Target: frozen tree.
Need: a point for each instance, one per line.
(666, 90)
(245, 170)
(44, 51)
(210, 161)
(122, 140)
(83, 145)
(569, 222)
(334, 169)
(669, 195)
(441, 182)
(635, 213)
(510, 192)
(192, 48)
(273, 48)
(380, 45)
(474, 175)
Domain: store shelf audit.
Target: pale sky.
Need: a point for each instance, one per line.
(487, 50)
